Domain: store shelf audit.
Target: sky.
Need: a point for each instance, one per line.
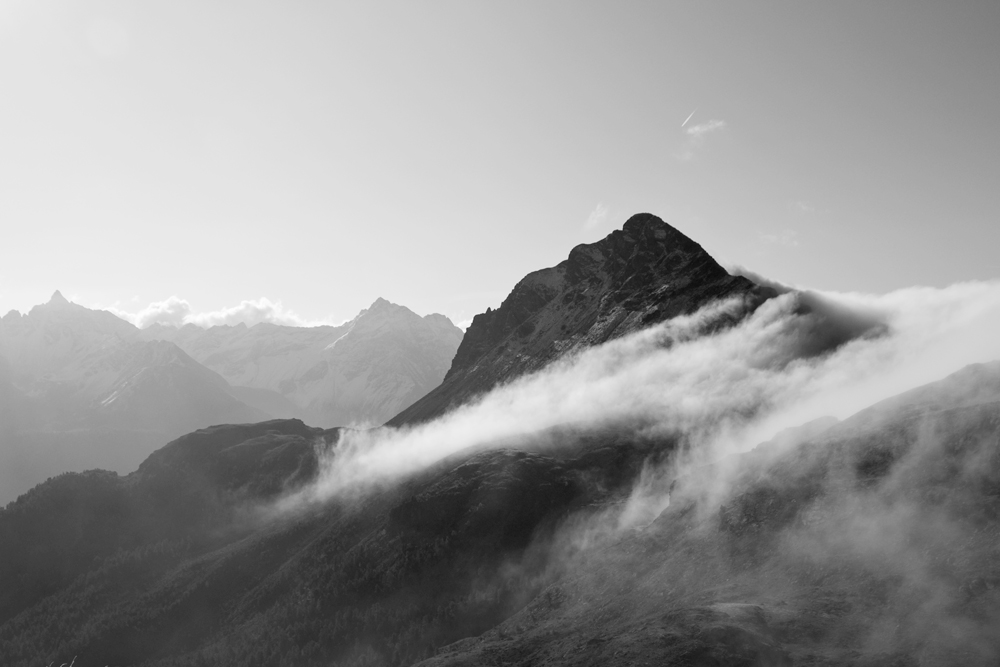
(320, 155)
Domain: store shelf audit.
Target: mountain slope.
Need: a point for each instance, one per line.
(361, 372)
(869, 543)
(645, 273)
(171, 565)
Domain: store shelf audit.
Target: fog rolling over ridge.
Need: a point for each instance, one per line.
(799, 356)
(872, 542)
(727, 376)
(596, 481)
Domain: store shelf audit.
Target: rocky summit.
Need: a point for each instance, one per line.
(644, 273)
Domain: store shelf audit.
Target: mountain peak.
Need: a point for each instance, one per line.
(642, 221)
(639, 275)
(58, 299)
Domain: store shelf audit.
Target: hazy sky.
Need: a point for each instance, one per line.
(324, 154)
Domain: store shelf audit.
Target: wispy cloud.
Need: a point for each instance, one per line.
(177, 312)
(696, 137)
(597, 216)
(806, 208)
(701, 129)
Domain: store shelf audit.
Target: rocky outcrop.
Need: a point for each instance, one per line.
(644, 273)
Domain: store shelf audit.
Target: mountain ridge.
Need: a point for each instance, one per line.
(360, 372)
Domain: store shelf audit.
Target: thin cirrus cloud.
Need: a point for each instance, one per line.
(786, 237)
(177, 312)
(695, 137)
(806, 208)
(597, 216)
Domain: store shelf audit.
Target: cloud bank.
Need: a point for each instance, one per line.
(177, 312)
(721, 393)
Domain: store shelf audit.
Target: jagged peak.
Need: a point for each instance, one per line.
(58, 299)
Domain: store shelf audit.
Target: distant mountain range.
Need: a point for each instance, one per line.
(362, 372)
(82, 388)
(869, 541)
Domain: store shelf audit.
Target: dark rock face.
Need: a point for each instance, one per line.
(645, 273)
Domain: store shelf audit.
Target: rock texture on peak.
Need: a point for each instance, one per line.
(644, 273)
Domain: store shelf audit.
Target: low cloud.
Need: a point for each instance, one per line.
(721, 393)
(171, 312)
(696, 136)
(177, 312)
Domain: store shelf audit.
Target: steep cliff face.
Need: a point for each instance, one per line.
(645, 273)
